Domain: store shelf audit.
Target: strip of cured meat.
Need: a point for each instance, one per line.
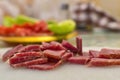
(94, 53)
(100, 62)
(109, 53)
(41, 67)
(24, 56)
(56, 46)
(31, 54)
(54, 54)
(79, 44)
(52, 46)
(47, 66)
(11, 52)
(67, 55)
(30, 48)
(69, 46)
(32, 62)
(79, 60)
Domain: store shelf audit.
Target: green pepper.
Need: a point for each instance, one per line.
(62, 28)
(22, 19)
(8, 21)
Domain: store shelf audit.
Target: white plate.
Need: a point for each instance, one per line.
(64, 72)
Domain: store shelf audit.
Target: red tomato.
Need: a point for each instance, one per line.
(27, 29)
(40, 26)
(3, 31)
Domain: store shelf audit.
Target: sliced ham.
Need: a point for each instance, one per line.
(48, 56)
(67, 55)
(57, 46)
(41, 67)
(79, 44)
(45, 46)
(24, 56)
(47, 66)
(11, 52)
(79, 60)
(28, 54)
(69, 46)
(109, 53)
(30, 48)
(100, 62)
(32, 62)
(54, 54)
(52, 46)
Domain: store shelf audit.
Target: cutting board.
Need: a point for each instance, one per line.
(64, 72)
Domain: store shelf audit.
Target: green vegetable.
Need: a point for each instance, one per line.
(62, 28)
(8, 21)
(22, 19)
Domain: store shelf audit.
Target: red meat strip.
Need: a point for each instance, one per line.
(11, 52)
(24, 56)
(52, 60)
(67, 55)
(79, 59)
(94, 53)
(45, 46)
(30, 48)
(47, 66)
(52, 46)
(109, 53)
(56, 46)
(32, 62)
(54, 54)
(69, 46)
(99, 62)
(79, 44)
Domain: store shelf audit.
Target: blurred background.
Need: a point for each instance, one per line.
(97, 21)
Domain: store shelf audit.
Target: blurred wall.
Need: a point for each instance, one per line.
(49, 9)
(110, 6)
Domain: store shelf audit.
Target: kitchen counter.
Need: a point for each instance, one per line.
(104, 39)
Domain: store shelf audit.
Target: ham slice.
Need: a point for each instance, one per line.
(41, 67)
(52, 46)
(100, 62)
(47, 66)
(79, 60)
(28, 54)
(32, 62)
(67, 55)
(57, 46)
(54, 54)
(79, 44)
(69, 46)
(24, 56)
(30, 48)
(11, 52)
(109, 53)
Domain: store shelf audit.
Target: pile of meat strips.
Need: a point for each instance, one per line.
(48, 56)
